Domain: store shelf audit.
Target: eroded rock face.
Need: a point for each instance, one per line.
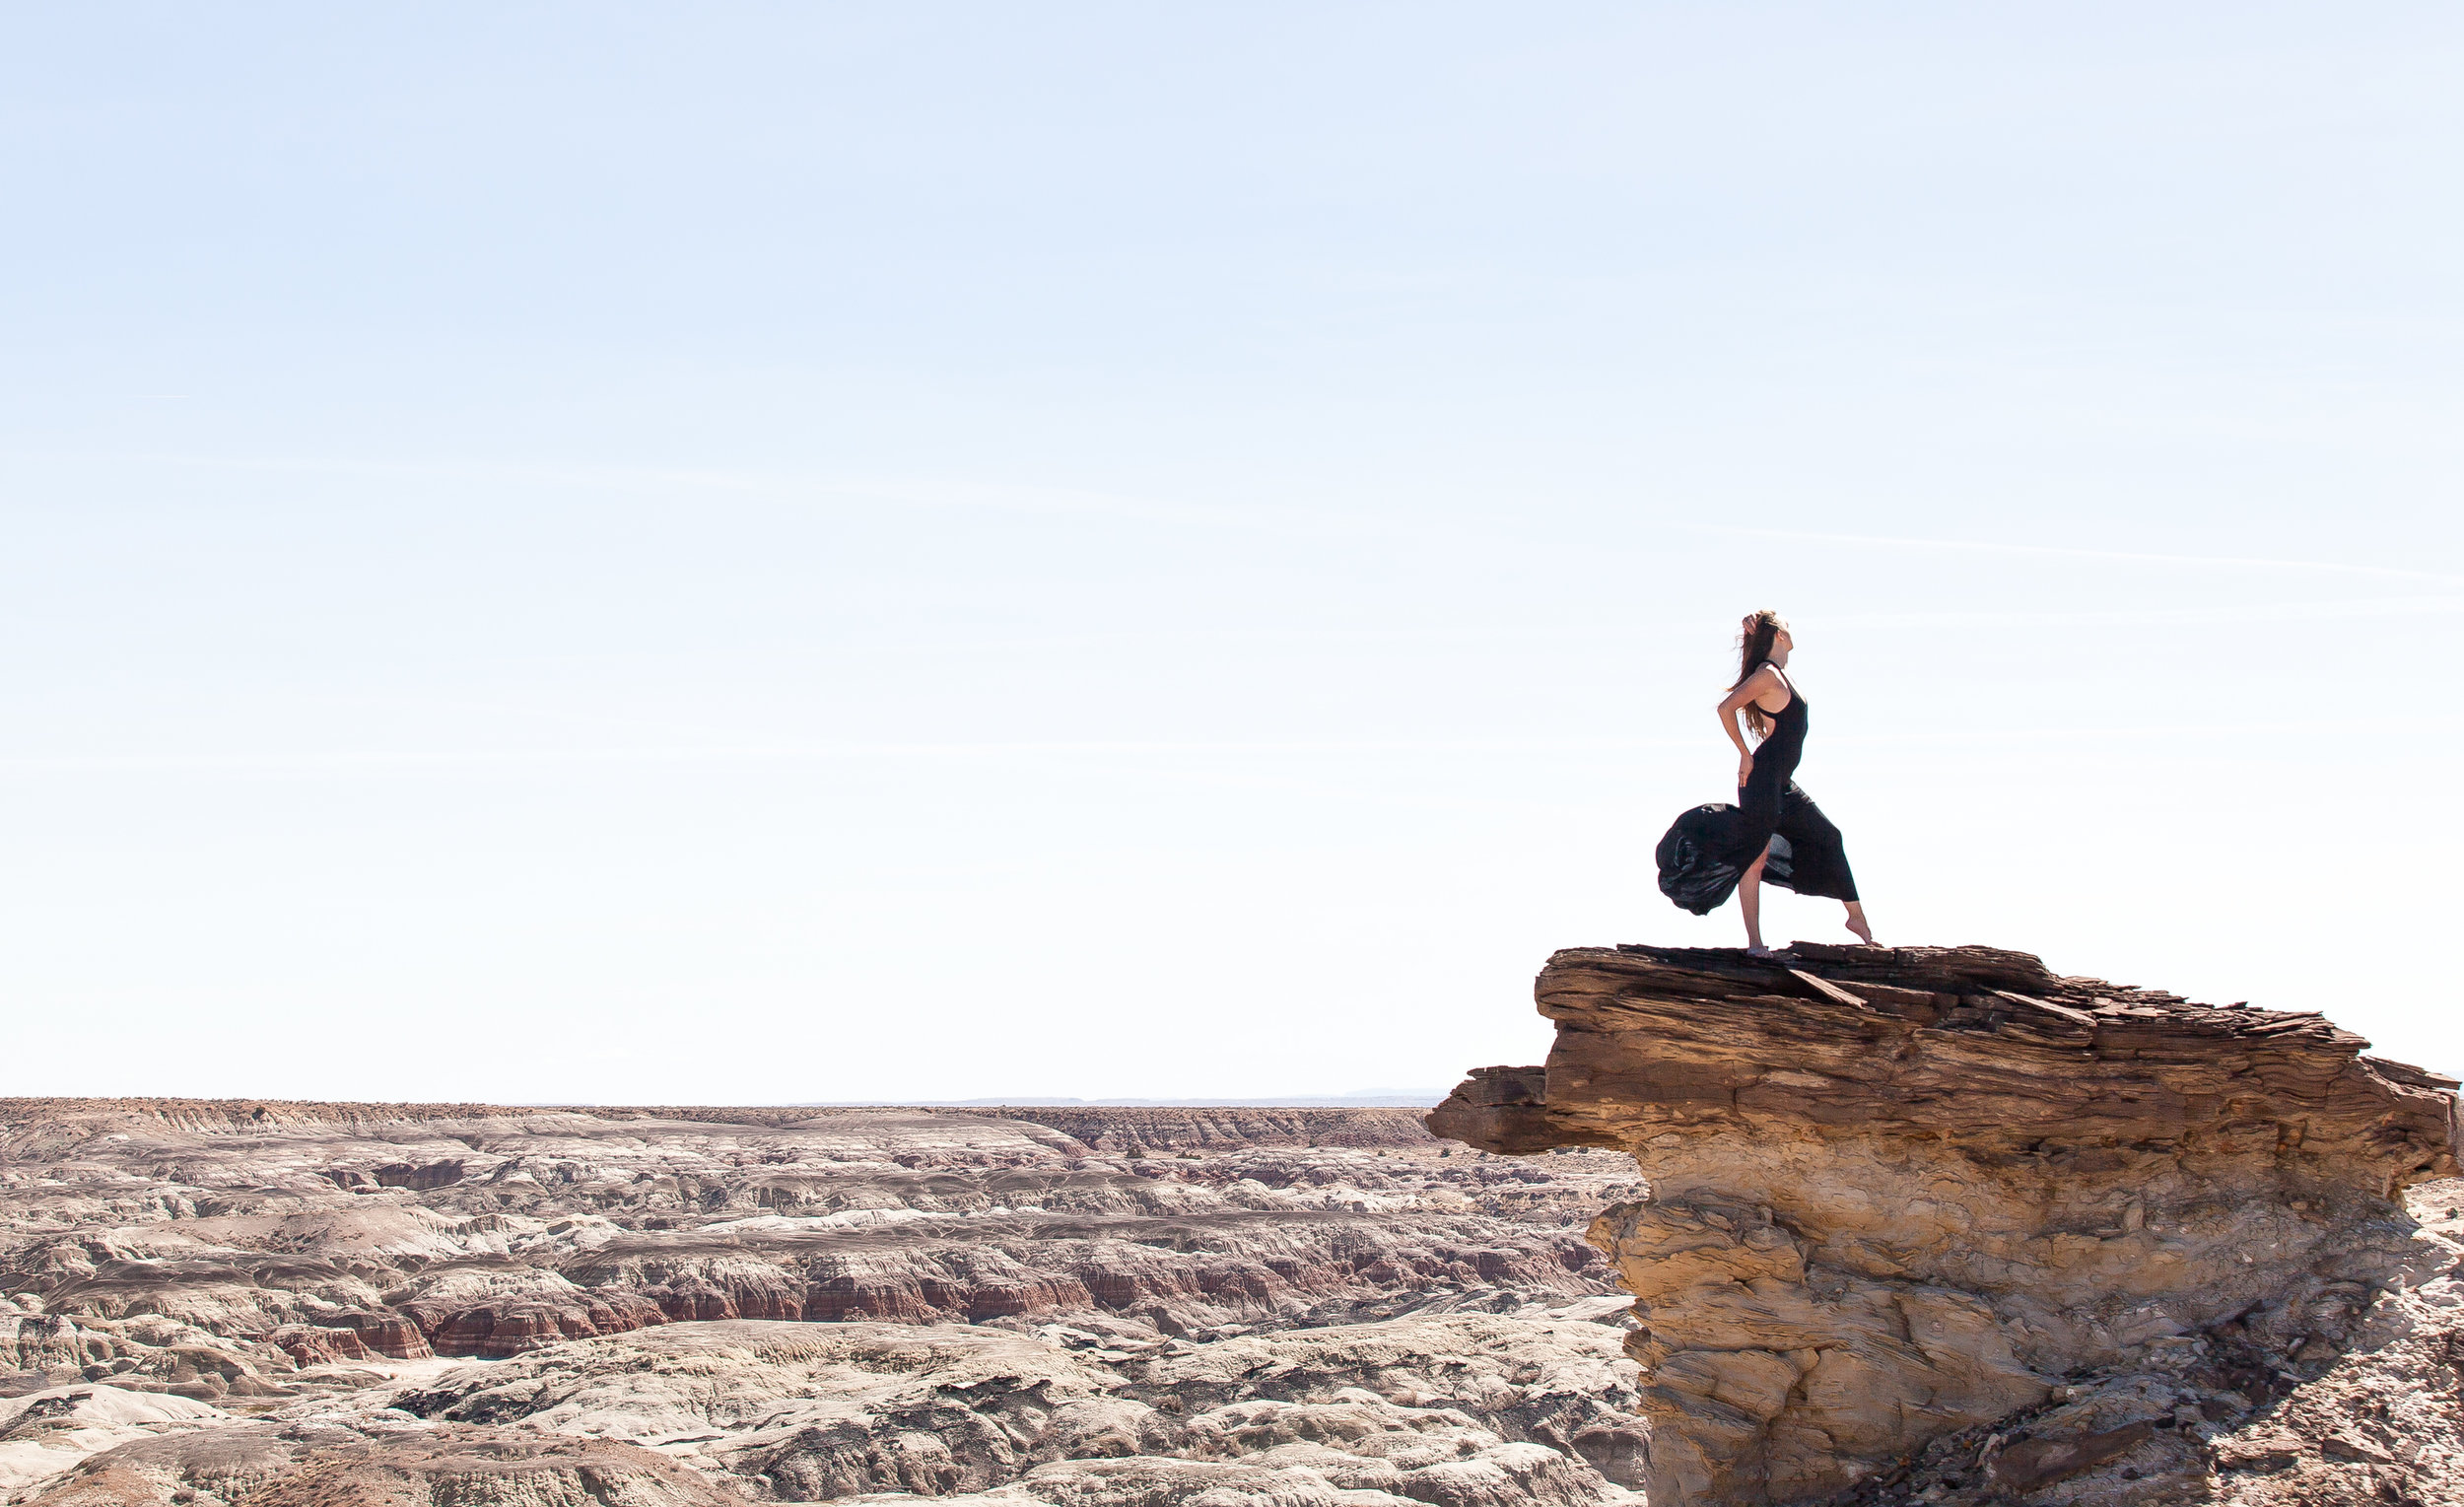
(1898, 1195)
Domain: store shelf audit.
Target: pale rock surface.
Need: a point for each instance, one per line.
(44, 1433)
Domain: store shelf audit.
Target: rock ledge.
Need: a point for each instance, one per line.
(1897, 1194)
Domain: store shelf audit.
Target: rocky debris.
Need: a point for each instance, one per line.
(1933, 1224)
(2383, 1420)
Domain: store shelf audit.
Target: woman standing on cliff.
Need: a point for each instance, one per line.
(1775, 831)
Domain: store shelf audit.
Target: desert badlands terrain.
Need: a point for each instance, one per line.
(1925, 1226)
(254, 1302)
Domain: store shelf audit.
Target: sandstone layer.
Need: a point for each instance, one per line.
(217, 1304)
(1939, 1197)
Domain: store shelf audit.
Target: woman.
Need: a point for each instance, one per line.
(1775, 831)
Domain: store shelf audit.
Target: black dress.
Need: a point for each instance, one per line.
(1710, 848)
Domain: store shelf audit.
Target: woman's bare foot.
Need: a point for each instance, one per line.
(1757, 950)
(1857, 924)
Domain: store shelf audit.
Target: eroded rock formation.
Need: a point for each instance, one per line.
(1905, 1195)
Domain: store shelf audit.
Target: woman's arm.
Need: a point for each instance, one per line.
(1761, 680)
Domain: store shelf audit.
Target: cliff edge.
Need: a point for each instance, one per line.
(1940, 1197)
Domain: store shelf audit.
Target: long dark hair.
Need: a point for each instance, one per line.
(1753, 646)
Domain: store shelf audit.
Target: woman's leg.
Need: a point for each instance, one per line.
(1749, 901)
(1820, 859)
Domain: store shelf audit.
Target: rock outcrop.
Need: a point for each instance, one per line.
(1905, 1197)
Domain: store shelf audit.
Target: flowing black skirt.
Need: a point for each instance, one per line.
(1710, 848)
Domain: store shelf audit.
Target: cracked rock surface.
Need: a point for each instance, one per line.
(1931, 1224)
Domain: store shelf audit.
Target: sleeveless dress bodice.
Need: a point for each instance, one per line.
(1785, 745)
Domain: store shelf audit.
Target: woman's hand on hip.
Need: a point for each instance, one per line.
(1745, 770)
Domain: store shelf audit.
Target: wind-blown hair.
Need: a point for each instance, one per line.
(1753, 646)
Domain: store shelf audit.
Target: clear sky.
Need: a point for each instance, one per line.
(748, 553)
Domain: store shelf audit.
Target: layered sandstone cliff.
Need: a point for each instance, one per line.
(1904, 1196)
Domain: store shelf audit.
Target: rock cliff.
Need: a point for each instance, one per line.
(1939, 1197)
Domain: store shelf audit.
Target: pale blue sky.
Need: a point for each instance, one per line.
(751, 554)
